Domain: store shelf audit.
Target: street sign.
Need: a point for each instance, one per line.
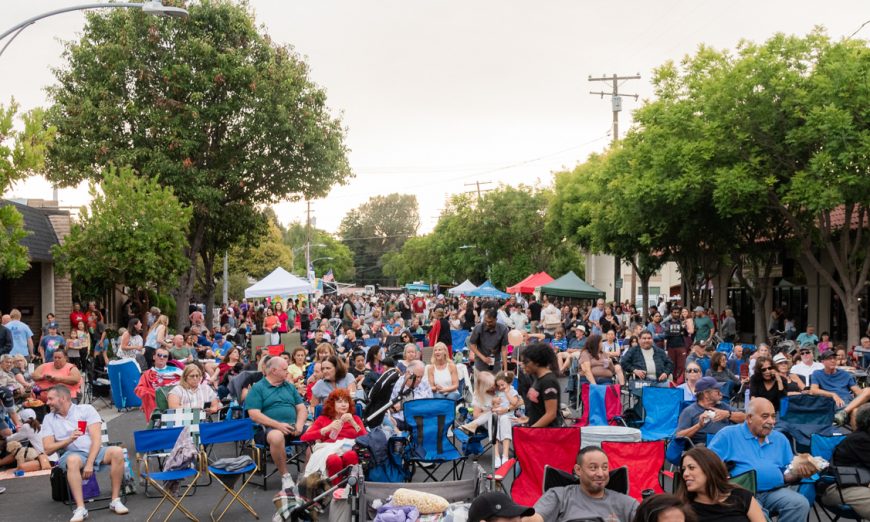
(618, 283)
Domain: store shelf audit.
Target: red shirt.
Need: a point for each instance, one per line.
(347, 430)
(74, 319)
(419, 305)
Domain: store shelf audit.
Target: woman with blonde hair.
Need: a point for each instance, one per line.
(442, 375)
(193, 392)
(156, 338)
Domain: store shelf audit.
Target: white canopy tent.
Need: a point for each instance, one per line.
(279, 283)
(462, 288)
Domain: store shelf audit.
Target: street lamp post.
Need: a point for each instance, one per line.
(153, 7)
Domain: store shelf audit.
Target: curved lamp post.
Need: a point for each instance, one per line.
(153, 7)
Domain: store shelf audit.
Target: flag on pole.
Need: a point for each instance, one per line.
(329, 276)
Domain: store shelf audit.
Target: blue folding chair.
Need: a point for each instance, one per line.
(161, 441)
(428, 421)
(458, 338)
(661, 408)
(234, 431)
(800, 416)
(725, 348)
(372, 341)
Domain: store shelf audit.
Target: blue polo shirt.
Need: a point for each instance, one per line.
(769, 459)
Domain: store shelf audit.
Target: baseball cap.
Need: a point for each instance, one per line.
(828, 354)
(699, 308)
(496, 504)
(218, 337)
(779, 358)
(26, 415)
(706, 383)
(52, 325)
(581, 327)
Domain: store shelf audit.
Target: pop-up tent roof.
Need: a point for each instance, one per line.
(488, 290)
(528, 285)
(462, 288)
(570, 285)
(279, 283)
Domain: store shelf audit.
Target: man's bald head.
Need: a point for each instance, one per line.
(760, 417)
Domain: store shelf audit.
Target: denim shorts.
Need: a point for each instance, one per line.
(98, 462)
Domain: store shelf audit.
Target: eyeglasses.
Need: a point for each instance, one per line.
(162, 355)
(693, 370)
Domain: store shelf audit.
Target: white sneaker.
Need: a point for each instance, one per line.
(79, 515)
(287, 482)
(497, 462)
(118, 507)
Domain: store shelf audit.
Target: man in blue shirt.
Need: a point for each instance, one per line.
(708, 415)
(840, 386)
(808, 338)
(220, 346)
(22, 335)
(753, 445)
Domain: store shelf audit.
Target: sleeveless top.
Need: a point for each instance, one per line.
(441, 377)
(49, 369)
(151, 340)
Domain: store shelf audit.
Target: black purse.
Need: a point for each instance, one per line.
(850, 476)
(59, 489)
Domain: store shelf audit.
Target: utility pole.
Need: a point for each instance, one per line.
(478, 184)
(226, 292)
(616, 105)
(308, 240)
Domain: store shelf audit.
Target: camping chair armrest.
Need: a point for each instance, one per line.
(503, 470)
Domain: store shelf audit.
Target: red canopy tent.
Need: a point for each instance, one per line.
(528, 285)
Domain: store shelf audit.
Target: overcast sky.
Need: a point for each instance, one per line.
(439, 94)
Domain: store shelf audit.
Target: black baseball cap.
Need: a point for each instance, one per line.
(496, 504)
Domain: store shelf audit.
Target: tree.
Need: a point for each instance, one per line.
(378, 226)
(261, 260)
(209, 105)
(502, 236)
(21, 153)
(323, 244)
(131, 236)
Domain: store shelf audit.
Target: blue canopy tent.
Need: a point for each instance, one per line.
(488, 290)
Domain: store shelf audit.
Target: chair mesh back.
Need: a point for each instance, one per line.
(536, 448)
(644, 461)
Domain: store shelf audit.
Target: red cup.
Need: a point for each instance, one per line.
(83, 426)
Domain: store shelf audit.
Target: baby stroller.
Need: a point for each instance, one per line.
(379, 397)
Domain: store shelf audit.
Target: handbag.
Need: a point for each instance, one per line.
(851, 476)
(90, 487)
(59, 489)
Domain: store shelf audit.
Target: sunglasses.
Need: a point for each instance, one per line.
(162, 355)
(768, 369)
(693, 370)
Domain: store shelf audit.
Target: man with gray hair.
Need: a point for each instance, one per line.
(409, 387)
(76, 430)
(754, 445)
(274, 404)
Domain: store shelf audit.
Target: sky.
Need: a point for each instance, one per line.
(439, 95)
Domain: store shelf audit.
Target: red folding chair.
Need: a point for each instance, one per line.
(539, 447)
(644, 460)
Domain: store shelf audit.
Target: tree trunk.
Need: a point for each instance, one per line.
(644, 290)
(208, 286)
(184, 291)
(759, 308)
(853, 323)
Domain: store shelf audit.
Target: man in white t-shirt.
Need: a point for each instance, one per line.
(83, 453)
(805, 367)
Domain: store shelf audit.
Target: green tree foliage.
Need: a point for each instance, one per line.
(323, 244)
(260, 260)
(209, 104)
(21, 153)
(379, 226)
(131, 235)
(503, 237)
(739, 157)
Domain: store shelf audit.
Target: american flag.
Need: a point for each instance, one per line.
(329, 276)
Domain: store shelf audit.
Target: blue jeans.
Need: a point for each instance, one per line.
(454, 395)
(790, 505)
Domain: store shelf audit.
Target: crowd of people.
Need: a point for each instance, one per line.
(339, 349)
